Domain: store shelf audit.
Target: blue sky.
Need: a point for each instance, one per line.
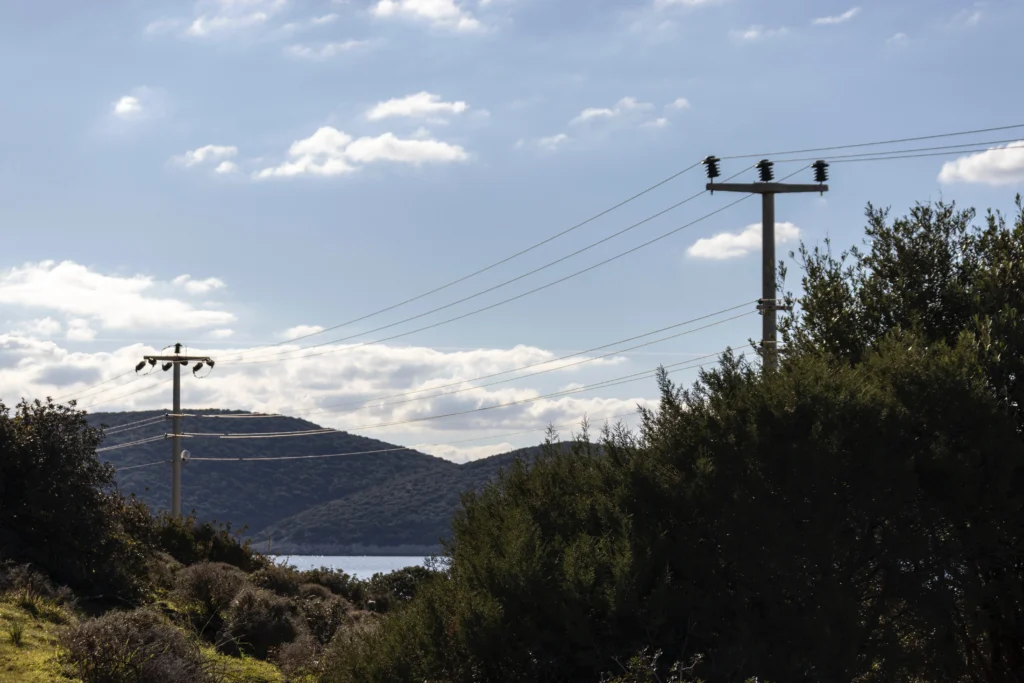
(305, 162)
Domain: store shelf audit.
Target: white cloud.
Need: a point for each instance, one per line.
(226, 168)
(331, 152)
(312, 22)
(161, 26)
(727, 245)
(440, 13)
(758, 32)
(301, 331)
(220, 18)
(128, 107)
(420, 105)
(837, 19)
(970, 17)
(40, 327)
(205, 26)
(206, 153)
(323, 52)
(661, 122)
(897, 38)
(997, 166)
(80, 330)
(198, 286)
(680, 103)
(105, 301)
(223, 333)
(624, 106)
(553, 142)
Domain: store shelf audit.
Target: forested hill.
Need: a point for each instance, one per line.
(393, 501)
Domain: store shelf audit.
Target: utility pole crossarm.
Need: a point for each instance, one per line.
(765, 188)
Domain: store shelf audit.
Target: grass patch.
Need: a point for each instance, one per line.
(243, 669)
(34, 659)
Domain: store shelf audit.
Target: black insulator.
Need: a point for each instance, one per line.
(167, 366)
(820, 171)
(198, 367)
(138, 368)
(711, 167)
(766, 171)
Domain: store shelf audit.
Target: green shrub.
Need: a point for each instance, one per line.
(301, 658)
(209, 587)
(130, 647)
(258, 622)
(16, 632)
(397, 587)
(338, 582)
(315, 590)
(278, 579)
(190, 541)
(60, 509)
(324, 613)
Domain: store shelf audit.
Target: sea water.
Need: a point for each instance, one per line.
(362, 567)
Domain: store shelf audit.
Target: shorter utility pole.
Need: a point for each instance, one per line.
(175, 362)
(768, 305)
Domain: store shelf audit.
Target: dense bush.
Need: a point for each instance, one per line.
(59, 508)
(395, 588)
(130, 647)
(323, 612)
(339, 583)
(258, 622)
(278, 579)
(854, 516)
(209, 587)
(190, 541)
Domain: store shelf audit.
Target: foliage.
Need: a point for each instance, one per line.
(127, 647)
(278, 579)
(854, 516)
(209, 587)
(16, 633)
(189, 541)
(59, 509)
(257, 622)
(338, 582)
(323, 612)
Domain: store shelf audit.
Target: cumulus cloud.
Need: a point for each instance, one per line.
(440, 13)
(226, 168)
(312, 22)
(679, 103)
(301, 331)
(553, 142)
(198, 286)
(223, 333)
(331, 152)
(996, 166)
(838, 18)
(218, 18)
(758, 32)
(104, 301)
(420, 105)
(39, 327)
(321, 53)
(80, 329)
(142, 103)
(660, 122)
(685, 3)
(728, 245)
(206, 154)
(127, 107)
(624, 107)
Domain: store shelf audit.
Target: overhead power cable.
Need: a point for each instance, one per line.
(500, 285)
(376, 399)
(133, 393)
(567, 392)
(1019, 150)
(129, 444)
(876, 144)
(399, 448)
(133, 426)
(106, 381)
(136, 467)
(538, 372)
(493, 265)
(512, 298)
(949, 149)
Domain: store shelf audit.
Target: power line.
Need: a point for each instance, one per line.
(133, 393)
(567, 392)
(510, 299)
(877, 144)
(489, 289)
(527, 367)
(932, 154)
(496, 263)
(136, 467)
(397, 449)
(131, 426)
(138, 442)
(541, 372)
(107, 381)
(950, 149)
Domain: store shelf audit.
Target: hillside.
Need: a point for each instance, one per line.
(396, 502)
(411, 510)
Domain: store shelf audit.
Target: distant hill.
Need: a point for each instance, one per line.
(394, 502)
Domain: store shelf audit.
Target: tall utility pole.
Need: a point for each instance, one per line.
(768, 304)
(175, 362)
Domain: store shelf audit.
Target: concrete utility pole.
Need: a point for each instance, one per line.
(768, 304)
(175, 362)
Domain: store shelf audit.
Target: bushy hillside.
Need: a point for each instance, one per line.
(412, 510)
(391, 502)
(256, 494)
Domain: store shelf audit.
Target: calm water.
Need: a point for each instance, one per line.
(361, 567)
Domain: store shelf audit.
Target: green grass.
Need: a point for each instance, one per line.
(33, 659)
(241, 669)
